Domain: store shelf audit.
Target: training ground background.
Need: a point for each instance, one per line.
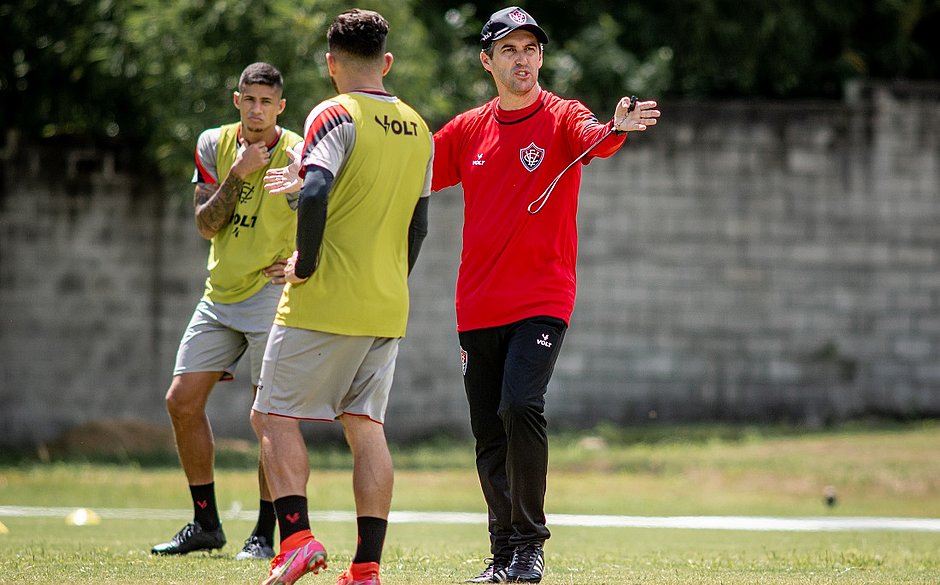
(742, 261)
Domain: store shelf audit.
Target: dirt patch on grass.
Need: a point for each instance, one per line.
(135, 440)
(112, 439)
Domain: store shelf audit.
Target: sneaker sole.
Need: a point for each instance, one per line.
(170, 553)
(251, 557)
(255, 554)
(498, 579)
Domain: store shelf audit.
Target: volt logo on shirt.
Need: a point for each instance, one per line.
(531, 156)
(243, 221)
(398, 126)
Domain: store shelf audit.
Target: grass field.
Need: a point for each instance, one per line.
(713, 471)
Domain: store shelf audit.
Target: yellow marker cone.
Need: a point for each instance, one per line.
(82, 517)
(4, 529)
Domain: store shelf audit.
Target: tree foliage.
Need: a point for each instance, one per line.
(154, 73)
(157, 72)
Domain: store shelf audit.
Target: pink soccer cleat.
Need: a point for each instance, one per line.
(293, 564)
(360, 574)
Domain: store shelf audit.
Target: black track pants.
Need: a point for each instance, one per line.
(506, 375)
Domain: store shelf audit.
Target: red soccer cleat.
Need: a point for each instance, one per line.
(360, 574)
(293, 564)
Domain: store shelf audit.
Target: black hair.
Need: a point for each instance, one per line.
(261, 74)
(360, 33)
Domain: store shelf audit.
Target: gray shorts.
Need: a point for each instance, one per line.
(218, 334)
(319, 376)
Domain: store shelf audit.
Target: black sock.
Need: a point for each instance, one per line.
(291, 515)
(267, 520)
(371, 539)
(205, 511)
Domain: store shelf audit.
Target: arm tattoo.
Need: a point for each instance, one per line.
(214, 208)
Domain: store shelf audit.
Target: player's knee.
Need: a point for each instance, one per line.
(515, 409)
(257, 420)
(362, 432)
(182, 404)
(180, 408)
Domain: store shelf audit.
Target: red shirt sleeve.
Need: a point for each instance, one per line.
(446, 171)
(587, 130)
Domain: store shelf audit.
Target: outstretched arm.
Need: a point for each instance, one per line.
(286, 179)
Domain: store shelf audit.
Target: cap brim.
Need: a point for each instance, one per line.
(534, 29)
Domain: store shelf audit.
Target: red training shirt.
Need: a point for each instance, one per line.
(515, 265)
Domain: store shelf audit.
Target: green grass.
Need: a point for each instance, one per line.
(877, 471)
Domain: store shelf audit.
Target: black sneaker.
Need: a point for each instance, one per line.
(191, 537)
(256, 547)
(495, 572)
(528, 562)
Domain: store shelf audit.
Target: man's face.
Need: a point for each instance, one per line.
(516, 61)
(259, 106)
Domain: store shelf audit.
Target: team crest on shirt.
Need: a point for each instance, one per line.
(531, 156)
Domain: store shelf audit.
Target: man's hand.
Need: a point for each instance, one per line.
(289, 274)
(286, 179)
(251, 158)
(631, 115)
(276, 271)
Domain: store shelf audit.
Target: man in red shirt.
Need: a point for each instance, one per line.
(516, 283)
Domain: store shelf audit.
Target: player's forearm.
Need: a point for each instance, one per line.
(311, 219)
(417, 231)
(612, 143)
(214, 209)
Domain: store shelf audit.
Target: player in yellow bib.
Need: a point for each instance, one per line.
(262, 227)
(252, 235)
(361, 284)
(362, 215)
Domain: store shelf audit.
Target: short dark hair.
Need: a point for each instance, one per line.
(360, 33)
(261, 74)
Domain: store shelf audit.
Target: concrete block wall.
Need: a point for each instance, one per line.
(79, 289)
(763, 262)
(741, 261)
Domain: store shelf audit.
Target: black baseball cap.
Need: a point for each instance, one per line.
(507, 20)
